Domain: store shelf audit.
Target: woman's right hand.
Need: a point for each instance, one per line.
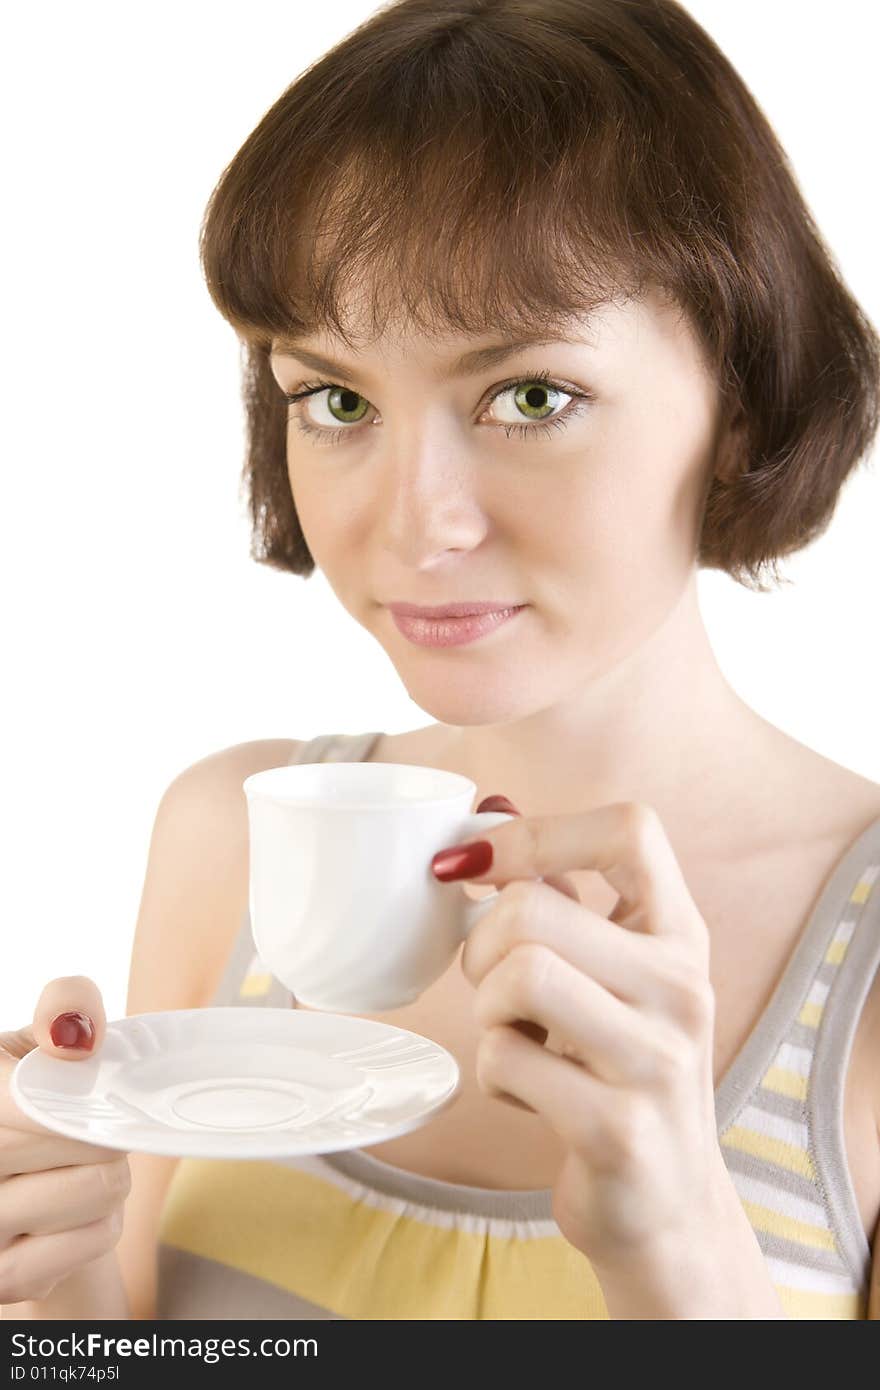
(61, 1200)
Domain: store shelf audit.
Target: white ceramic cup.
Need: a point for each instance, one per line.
(345, 910)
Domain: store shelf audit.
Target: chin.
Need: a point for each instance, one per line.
(472, 707)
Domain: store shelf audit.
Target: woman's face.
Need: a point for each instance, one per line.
(579, 495)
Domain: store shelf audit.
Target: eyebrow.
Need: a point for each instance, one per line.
(467, 364)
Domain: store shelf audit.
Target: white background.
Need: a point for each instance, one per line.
(139, 636)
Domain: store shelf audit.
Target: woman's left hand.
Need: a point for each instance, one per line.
(631, 1092)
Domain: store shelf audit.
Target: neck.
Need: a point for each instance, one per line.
(663, 727)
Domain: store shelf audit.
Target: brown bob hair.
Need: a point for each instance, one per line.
(499, 165)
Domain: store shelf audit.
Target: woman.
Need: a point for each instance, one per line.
(534, 316)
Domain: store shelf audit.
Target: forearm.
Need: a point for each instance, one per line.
(717, 1273)
(94, 1290)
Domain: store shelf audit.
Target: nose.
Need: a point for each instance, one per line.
(430, 496)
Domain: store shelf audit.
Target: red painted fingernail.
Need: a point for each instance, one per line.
(72, 1030)
(498, 803)
(462, 861)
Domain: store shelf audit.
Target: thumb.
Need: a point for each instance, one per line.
(69, 1008)
(69, 1020)
(558, 881)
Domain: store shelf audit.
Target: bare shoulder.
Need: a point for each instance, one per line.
(197, 865)
(192, 903)
(222, 768)
(834, 801)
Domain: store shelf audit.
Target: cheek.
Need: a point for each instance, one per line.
(619, 537)
(633, 501)
(321, 512)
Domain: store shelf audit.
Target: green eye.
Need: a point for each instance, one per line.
(535, 402)
(532, 396)
(343, 404)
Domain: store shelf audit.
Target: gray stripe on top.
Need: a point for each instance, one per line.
(825, 1096)
(776, 1103)
(781, 1248)
(786, 1179)
(188, 1284)
(802, 1035)
(753, 1059)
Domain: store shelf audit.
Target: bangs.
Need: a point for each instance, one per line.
(454, 192)
(391, 253)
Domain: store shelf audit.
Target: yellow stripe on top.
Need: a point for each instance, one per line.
(764, 1146)
(765, 1219)
(255, 985)
(810, 1014)
(824, 1307)
(368, 1259)
(785, 1082)
(862, 890)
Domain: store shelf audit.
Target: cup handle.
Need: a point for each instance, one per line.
(476, 823)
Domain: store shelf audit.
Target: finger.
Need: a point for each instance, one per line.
(71, 994)
(625, 842)
(40, 1261)
(528, 1029)
(45, 1203)
(616, 1042)
(497, 802)
(626, 963)
(525, 1026)
(562, 884)
(560, 881)
(576, 1105)
(23, 1152)
(79, 997)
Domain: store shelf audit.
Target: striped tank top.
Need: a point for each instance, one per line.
(346, 1235)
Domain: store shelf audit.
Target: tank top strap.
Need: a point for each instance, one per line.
(801, 1005)
(336, 748)
(780, 1106)
(836, 1001)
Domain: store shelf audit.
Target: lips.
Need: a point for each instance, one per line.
(454, 632)
(453, 610)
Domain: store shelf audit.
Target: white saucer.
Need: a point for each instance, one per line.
(240, 1083)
